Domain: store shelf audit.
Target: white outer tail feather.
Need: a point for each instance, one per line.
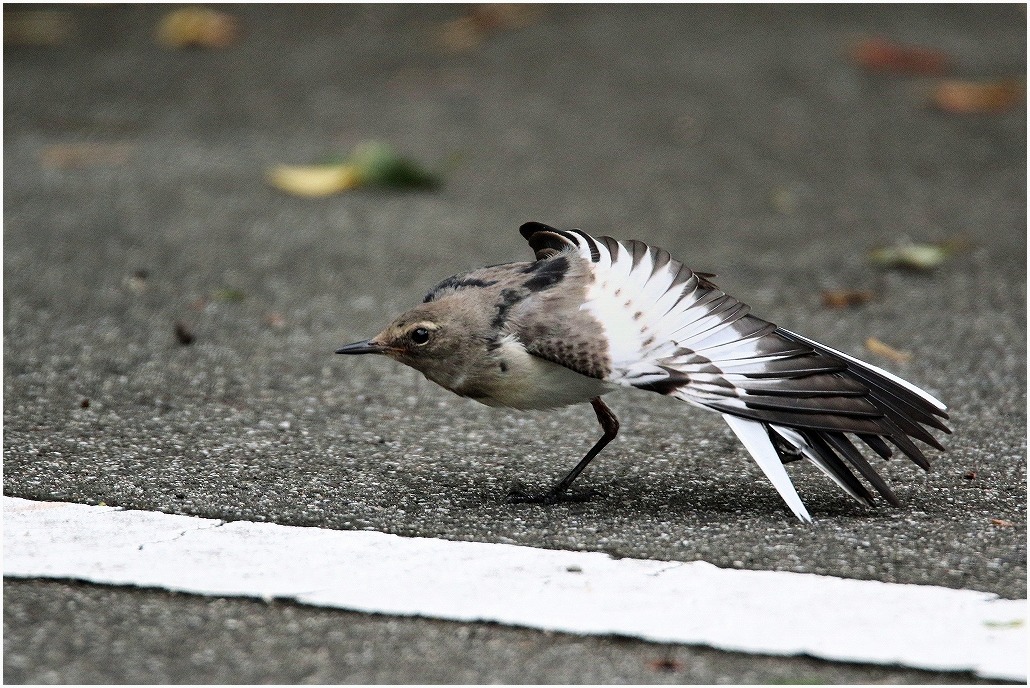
(754, 437)
(893, 378)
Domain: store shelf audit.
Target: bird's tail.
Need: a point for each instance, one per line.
(807, 406)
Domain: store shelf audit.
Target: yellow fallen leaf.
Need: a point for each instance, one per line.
(977, 97)
(919, 257)
(36, 27)
(314, 181)
(468, 31)
(64, 156)
(843, 298)
(879, 348)
(506, 15)
(197, 27)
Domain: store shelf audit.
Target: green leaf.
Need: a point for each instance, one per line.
(1014, 623)
(920, 257)
(378, 164)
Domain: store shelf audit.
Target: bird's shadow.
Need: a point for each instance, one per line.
(654, 497)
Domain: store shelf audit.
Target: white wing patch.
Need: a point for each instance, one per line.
(643, 312)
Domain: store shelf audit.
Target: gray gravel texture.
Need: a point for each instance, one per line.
(742, 139)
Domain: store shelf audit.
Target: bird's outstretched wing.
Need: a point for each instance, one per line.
(671, 330)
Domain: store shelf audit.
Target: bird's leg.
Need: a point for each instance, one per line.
(610, 425)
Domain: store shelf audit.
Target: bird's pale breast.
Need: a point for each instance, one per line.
(521, 380)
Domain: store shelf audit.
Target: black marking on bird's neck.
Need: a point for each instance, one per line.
(546, 273)
(456, 283)
(509, 297)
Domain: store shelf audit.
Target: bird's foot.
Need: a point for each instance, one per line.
(551, 497)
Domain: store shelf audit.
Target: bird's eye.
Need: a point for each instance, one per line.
(420, 335)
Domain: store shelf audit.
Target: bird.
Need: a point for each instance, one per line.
(593, 314)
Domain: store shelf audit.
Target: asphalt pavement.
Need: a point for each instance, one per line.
(745, 140)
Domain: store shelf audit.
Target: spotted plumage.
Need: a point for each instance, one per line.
(593, 313)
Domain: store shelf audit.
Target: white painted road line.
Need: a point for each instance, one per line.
(763, 612)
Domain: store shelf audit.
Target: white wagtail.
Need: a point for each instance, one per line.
(593, 313)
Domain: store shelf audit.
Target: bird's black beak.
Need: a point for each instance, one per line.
(366, 347)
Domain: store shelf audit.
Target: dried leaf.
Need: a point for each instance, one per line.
(977, 97)
(459, 35)
(505, 16)
(275, 320)
(919, 257)
(843, 298)
(884, 56)
(784, 200)
(36, 27)
(314, 181)
(64, 156)
(665, 665)
(1002, 523)
(183, 334)
(877, 347)
(468, 31)
(956, 244)
(197, 27)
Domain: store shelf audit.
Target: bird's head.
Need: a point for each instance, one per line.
(436, 338)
